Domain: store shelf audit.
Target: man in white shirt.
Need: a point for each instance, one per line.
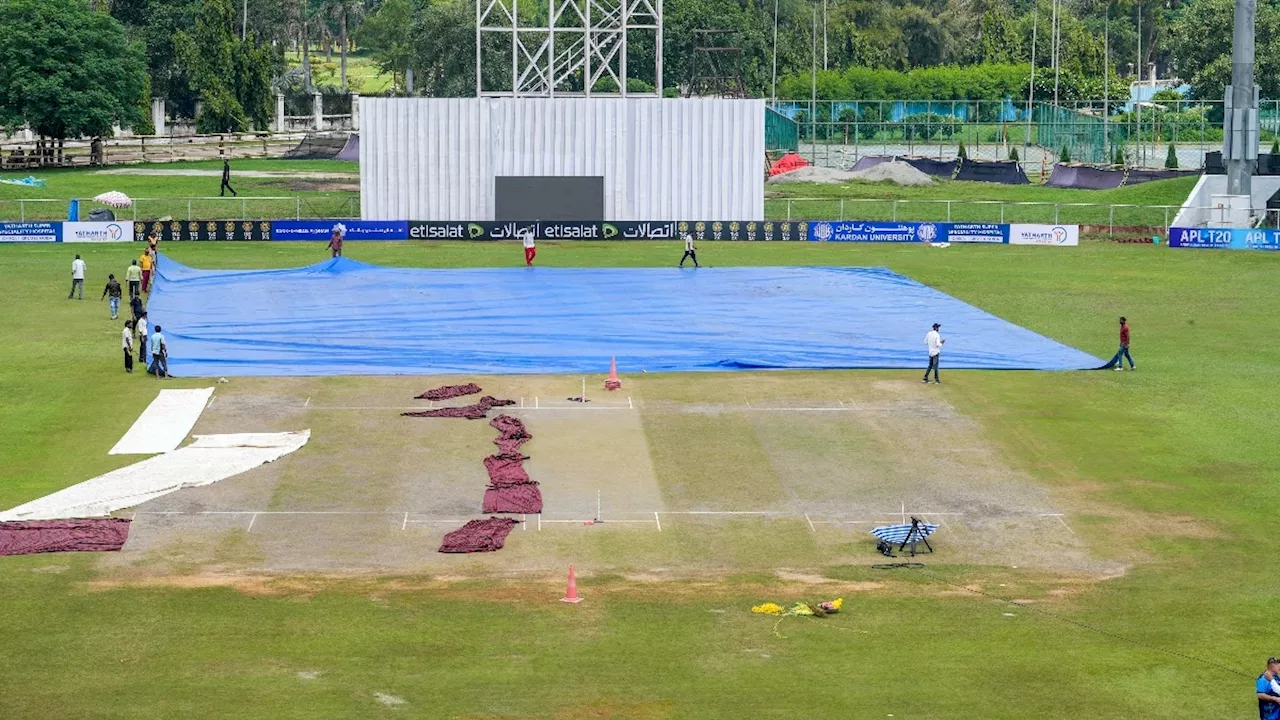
(141, 326)
(126, 342)
(690, 252)
(530, 252)
(77, 278)
(933, 341)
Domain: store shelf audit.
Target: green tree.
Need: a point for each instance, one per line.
(233, 78)
(1013, 154)
(1065, 155)
(67, 71)
(1119, 158)
(961, 153)
(1200, 39)
(1171, 158)
(388, 35)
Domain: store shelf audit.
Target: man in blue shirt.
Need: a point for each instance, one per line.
(1268, 697)
(159, 355)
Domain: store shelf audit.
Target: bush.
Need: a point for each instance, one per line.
(927, 126)
(1013, 154)
(1171, 158)
(1065, 156)
(1119, 159)
(1275, 147)
(961, 153)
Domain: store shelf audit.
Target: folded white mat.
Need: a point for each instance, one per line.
(207, 460)
(165, 423)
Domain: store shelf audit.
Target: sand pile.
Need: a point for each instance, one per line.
(896, 172)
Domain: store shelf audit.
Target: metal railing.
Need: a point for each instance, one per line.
(195, 208)
(1115, 217)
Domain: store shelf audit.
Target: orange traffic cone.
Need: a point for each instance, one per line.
(613, 383)
(571, 595)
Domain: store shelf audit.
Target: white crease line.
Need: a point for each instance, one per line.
(657, 520)
(251, 522)
(600, 522)
(811, 527)
(508, 409)
(1065, 525)
(539, 522)
(307, 403)
(524, 522)
(629, 404)
(404, 524)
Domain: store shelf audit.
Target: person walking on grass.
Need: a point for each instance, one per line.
(933, 342)
(1123, 353)
(144, 262)
(141, 326)
(226, 179)
(126, 342)
(530, 249)
(113, 290)
(159, 355)
(690, 251)
(335, 242)
(1268, 689)
(136, 308)
(133, 276)
(77, 278)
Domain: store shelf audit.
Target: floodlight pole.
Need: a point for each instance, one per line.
(1240, 121)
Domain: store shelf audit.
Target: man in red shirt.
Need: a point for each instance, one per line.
(1123, 353)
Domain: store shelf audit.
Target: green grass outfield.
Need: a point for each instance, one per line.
(980, 202)
(1175, 466)
(973, 202)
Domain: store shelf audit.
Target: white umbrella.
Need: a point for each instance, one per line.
(114, 198)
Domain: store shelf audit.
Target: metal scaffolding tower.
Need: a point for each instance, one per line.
(545, 48)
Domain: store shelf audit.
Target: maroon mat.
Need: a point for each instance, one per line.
(506, 469)
(478, 536)
(523, 498)
(445, 392)
(512, 434)
(470, 412)
(46, 536)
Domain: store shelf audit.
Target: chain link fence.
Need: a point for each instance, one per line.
(837, 133)
(195, 208)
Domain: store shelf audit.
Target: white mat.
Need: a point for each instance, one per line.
(165, 423)
(209, 459)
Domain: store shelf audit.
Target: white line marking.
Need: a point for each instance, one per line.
(904, 513)
(841, 402)
(748, 404)
(539, 522)
(524, 522)
(1065, 525)
(405, 524)
(308, 402)
(629, 405)
(657, 520)
(513, 408)
(811, 527)
(251, 522)
(535, 402)
(602, 522)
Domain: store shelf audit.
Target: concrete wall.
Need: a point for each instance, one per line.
(436, 159)
(1200, 208)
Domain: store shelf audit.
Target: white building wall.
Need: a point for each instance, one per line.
(662, 159)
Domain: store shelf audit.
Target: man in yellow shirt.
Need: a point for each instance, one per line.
(145, 263)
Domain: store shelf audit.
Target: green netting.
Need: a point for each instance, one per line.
(780, 131)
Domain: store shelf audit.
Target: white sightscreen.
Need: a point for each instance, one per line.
(661, 159)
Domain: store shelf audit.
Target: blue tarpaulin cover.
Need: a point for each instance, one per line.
(343, 317)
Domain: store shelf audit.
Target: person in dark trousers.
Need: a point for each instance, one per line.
(141, 326)
(1123, 353)
(159, 355)
(77, 278)
(133, 276)
(126, 342)
(113, 289)
(934, 342)
(226, 179)
(690, 251)
(1268, 693)
(335, 242)
(135, 307)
